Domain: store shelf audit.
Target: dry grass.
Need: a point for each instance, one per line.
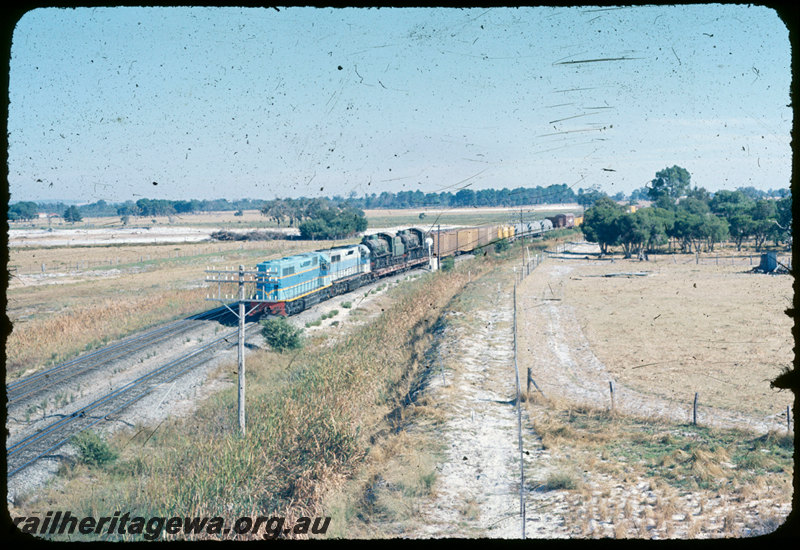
(647, 479)
(53, 339)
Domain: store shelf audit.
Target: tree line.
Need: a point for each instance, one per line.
(690, 217)
(553, 194)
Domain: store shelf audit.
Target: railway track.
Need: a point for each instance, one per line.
(31, 387)
(44, 441)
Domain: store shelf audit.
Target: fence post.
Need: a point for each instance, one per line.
(530, 377)
(43, 268)
(611, 389)
(788, 419)
(694, 410)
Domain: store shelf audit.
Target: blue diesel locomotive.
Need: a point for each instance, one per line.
(289, 285)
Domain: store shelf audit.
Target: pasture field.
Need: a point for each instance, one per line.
(248, 219)
(684, 327)
(718, 330)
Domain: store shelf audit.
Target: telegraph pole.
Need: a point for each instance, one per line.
(242, 277)
(241, 350)
(522, 234)
(438, 246)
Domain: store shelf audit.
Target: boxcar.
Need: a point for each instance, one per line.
(467, 239)
(445, 243)
(485, 234)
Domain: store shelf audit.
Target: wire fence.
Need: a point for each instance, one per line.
(529, 263)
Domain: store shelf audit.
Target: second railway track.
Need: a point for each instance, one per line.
(23, 452)
(31, 387)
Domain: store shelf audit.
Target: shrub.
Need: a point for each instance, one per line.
(280, 334)
(92, 449)
(347, 305)
(448, 263)
(560, 480)
(501, 246)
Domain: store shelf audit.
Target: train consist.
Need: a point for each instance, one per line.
(289, 285)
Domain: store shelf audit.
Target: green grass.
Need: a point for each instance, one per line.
(560, 481)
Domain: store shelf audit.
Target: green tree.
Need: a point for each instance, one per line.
(784, 214)
(24, 210)
(657, 222)
(713, 229)
(600, 223)
(687, 229)
(740, 225)
(764, 213)
(673, 182)
(464, 197)
(726, 202)
(589, 197)
(632, 232)
(332, 222)
(72, 214)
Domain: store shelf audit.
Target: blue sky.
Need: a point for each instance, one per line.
(259, 103)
